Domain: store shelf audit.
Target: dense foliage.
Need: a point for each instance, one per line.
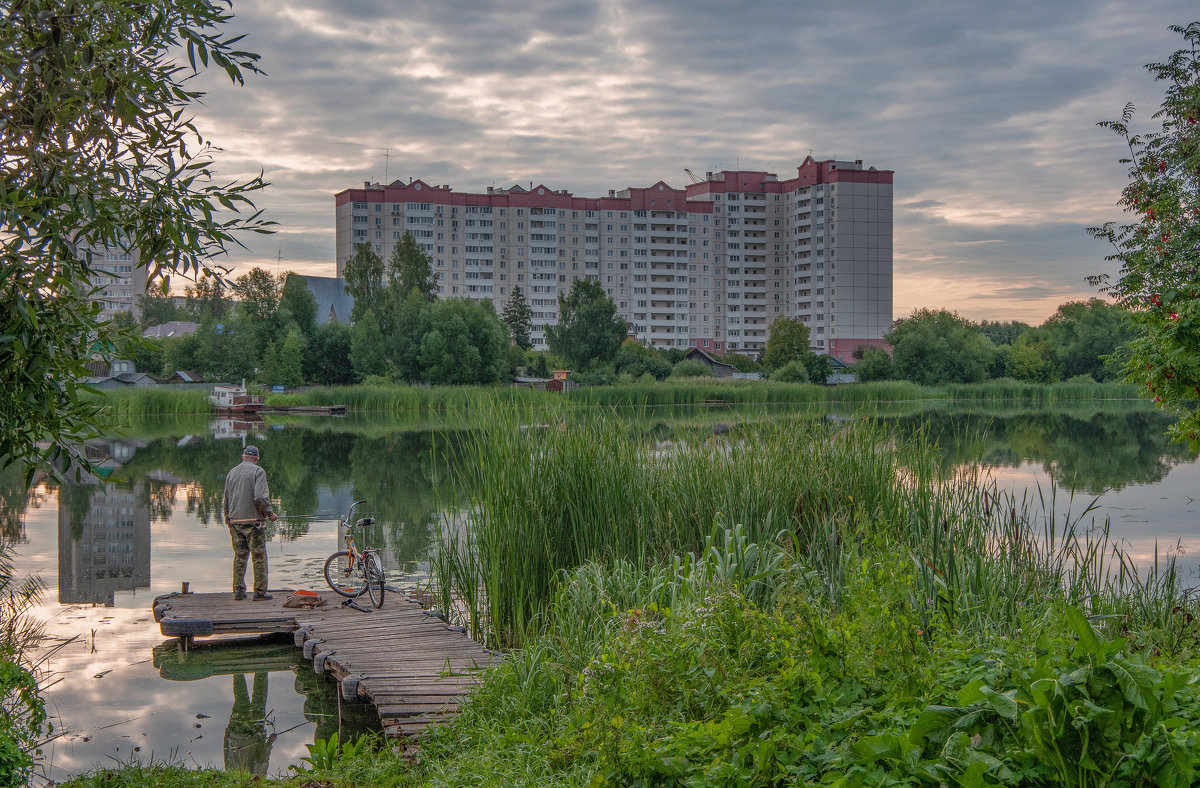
(589, 329)
(264, 329)
(933, 347)
(1159, 254)
(518, 316)
(845, 635)
(23, 724)
(98, 150)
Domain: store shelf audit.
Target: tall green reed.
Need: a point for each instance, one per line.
(161, 401)
(554, 495)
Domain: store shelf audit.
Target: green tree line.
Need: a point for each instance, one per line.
(264, 328)
(1082, 340)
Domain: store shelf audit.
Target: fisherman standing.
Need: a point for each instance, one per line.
(247, 508)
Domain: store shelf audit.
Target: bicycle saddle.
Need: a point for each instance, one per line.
(366, 521)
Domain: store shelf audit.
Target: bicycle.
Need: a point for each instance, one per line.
(351, 572)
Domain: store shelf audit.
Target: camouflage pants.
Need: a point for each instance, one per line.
(249, 540)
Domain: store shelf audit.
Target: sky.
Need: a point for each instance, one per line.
(986, 111)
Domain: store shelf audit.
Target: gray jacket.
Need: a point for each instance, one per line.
(247, 499)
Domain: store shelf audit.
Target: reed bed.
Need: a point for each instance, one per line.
(700, 391)
(553, 496)
(403, 399)
(1013, 390)
(160, 401)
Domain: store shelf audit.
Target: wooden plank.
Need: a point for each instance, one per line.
(384, 636)
(400, 710)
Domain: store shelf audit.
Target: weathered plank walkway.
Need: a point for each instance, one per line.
(411, 665)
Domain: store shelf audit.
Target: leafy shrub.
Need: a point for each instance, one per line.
(596, 375)
(791, 372)
(690, 368)
(1090, 716)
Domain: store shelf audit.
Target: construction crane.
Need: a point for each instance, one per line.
(693, 176)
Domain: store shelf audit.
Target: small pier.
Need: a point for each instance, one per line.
(409, 663)
(305, 410)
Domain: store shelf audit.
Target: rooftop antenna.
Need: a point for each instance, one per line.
(387, 156)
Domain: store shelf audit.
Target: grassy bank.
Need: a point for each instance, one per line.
(397, 399)
(803, 603)
(465, 399)
(551, 498)
(161, 401)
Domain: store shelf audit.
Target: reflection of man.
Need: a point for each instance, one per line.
(247, 745)
(247, 506)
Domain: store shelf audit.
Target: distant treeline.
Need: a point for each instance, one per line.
(263, 328)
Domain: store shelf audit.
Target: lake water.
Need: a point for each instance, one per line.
(118, 691)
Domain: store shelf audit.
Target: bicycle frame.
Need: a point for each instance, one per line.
(344, 523)
(361, 562)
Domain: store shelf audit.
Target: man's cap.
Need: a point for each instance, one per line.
(250, 451)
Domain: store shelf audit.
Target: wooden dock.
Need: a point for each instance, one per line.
(409, 663)
(309, 410)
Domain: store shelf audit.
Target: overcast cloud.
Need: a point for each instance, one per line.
(986, 111)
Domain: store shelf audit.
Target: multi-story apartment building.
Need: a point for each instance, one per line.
(117, 280)
(710, 266)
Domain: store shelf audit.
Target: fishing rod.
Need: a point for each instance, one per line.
(308, 516)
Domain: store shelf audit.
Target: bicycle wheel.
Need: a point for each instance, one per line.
(375, 580)
(342, 577)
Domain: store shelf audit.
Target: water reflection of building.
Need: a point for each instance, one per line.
(236, 427)
(103, 536)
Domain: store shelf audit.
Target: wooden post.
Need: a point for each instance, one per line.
(185, 588)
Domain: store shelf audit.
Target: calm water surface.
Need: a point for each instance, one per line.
(107, 546)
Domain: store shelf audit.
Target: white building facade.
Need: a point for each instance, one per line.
(117, 280)
(708, 266)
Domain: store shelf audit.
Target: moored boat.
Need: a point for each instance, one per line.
(235, 399)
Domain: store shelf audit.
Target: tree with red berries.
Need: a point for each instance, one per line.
(1159, 254)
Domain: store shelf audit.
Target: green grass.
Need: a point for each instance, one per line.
(160, 401)
(705, 390)
(553, 495)
(464, 399)
(400, 399)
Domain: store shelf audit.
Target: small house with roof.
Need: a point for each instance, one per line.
(720, 368)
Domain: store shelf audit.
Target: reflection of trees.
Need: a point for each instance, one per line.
(13, 495)
(1090, 451)
(400, 475)
(159, 499)
(77, 500)
(395, 471)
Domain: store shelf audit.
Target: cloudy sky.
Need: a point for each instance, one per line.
(986, 111)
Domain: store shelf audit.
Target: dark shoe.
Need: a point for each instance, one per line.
(261, 597)
(238, 596)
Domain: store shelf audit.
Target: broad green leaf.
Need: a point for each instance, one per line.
(1088, 642)
(1004, 704)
